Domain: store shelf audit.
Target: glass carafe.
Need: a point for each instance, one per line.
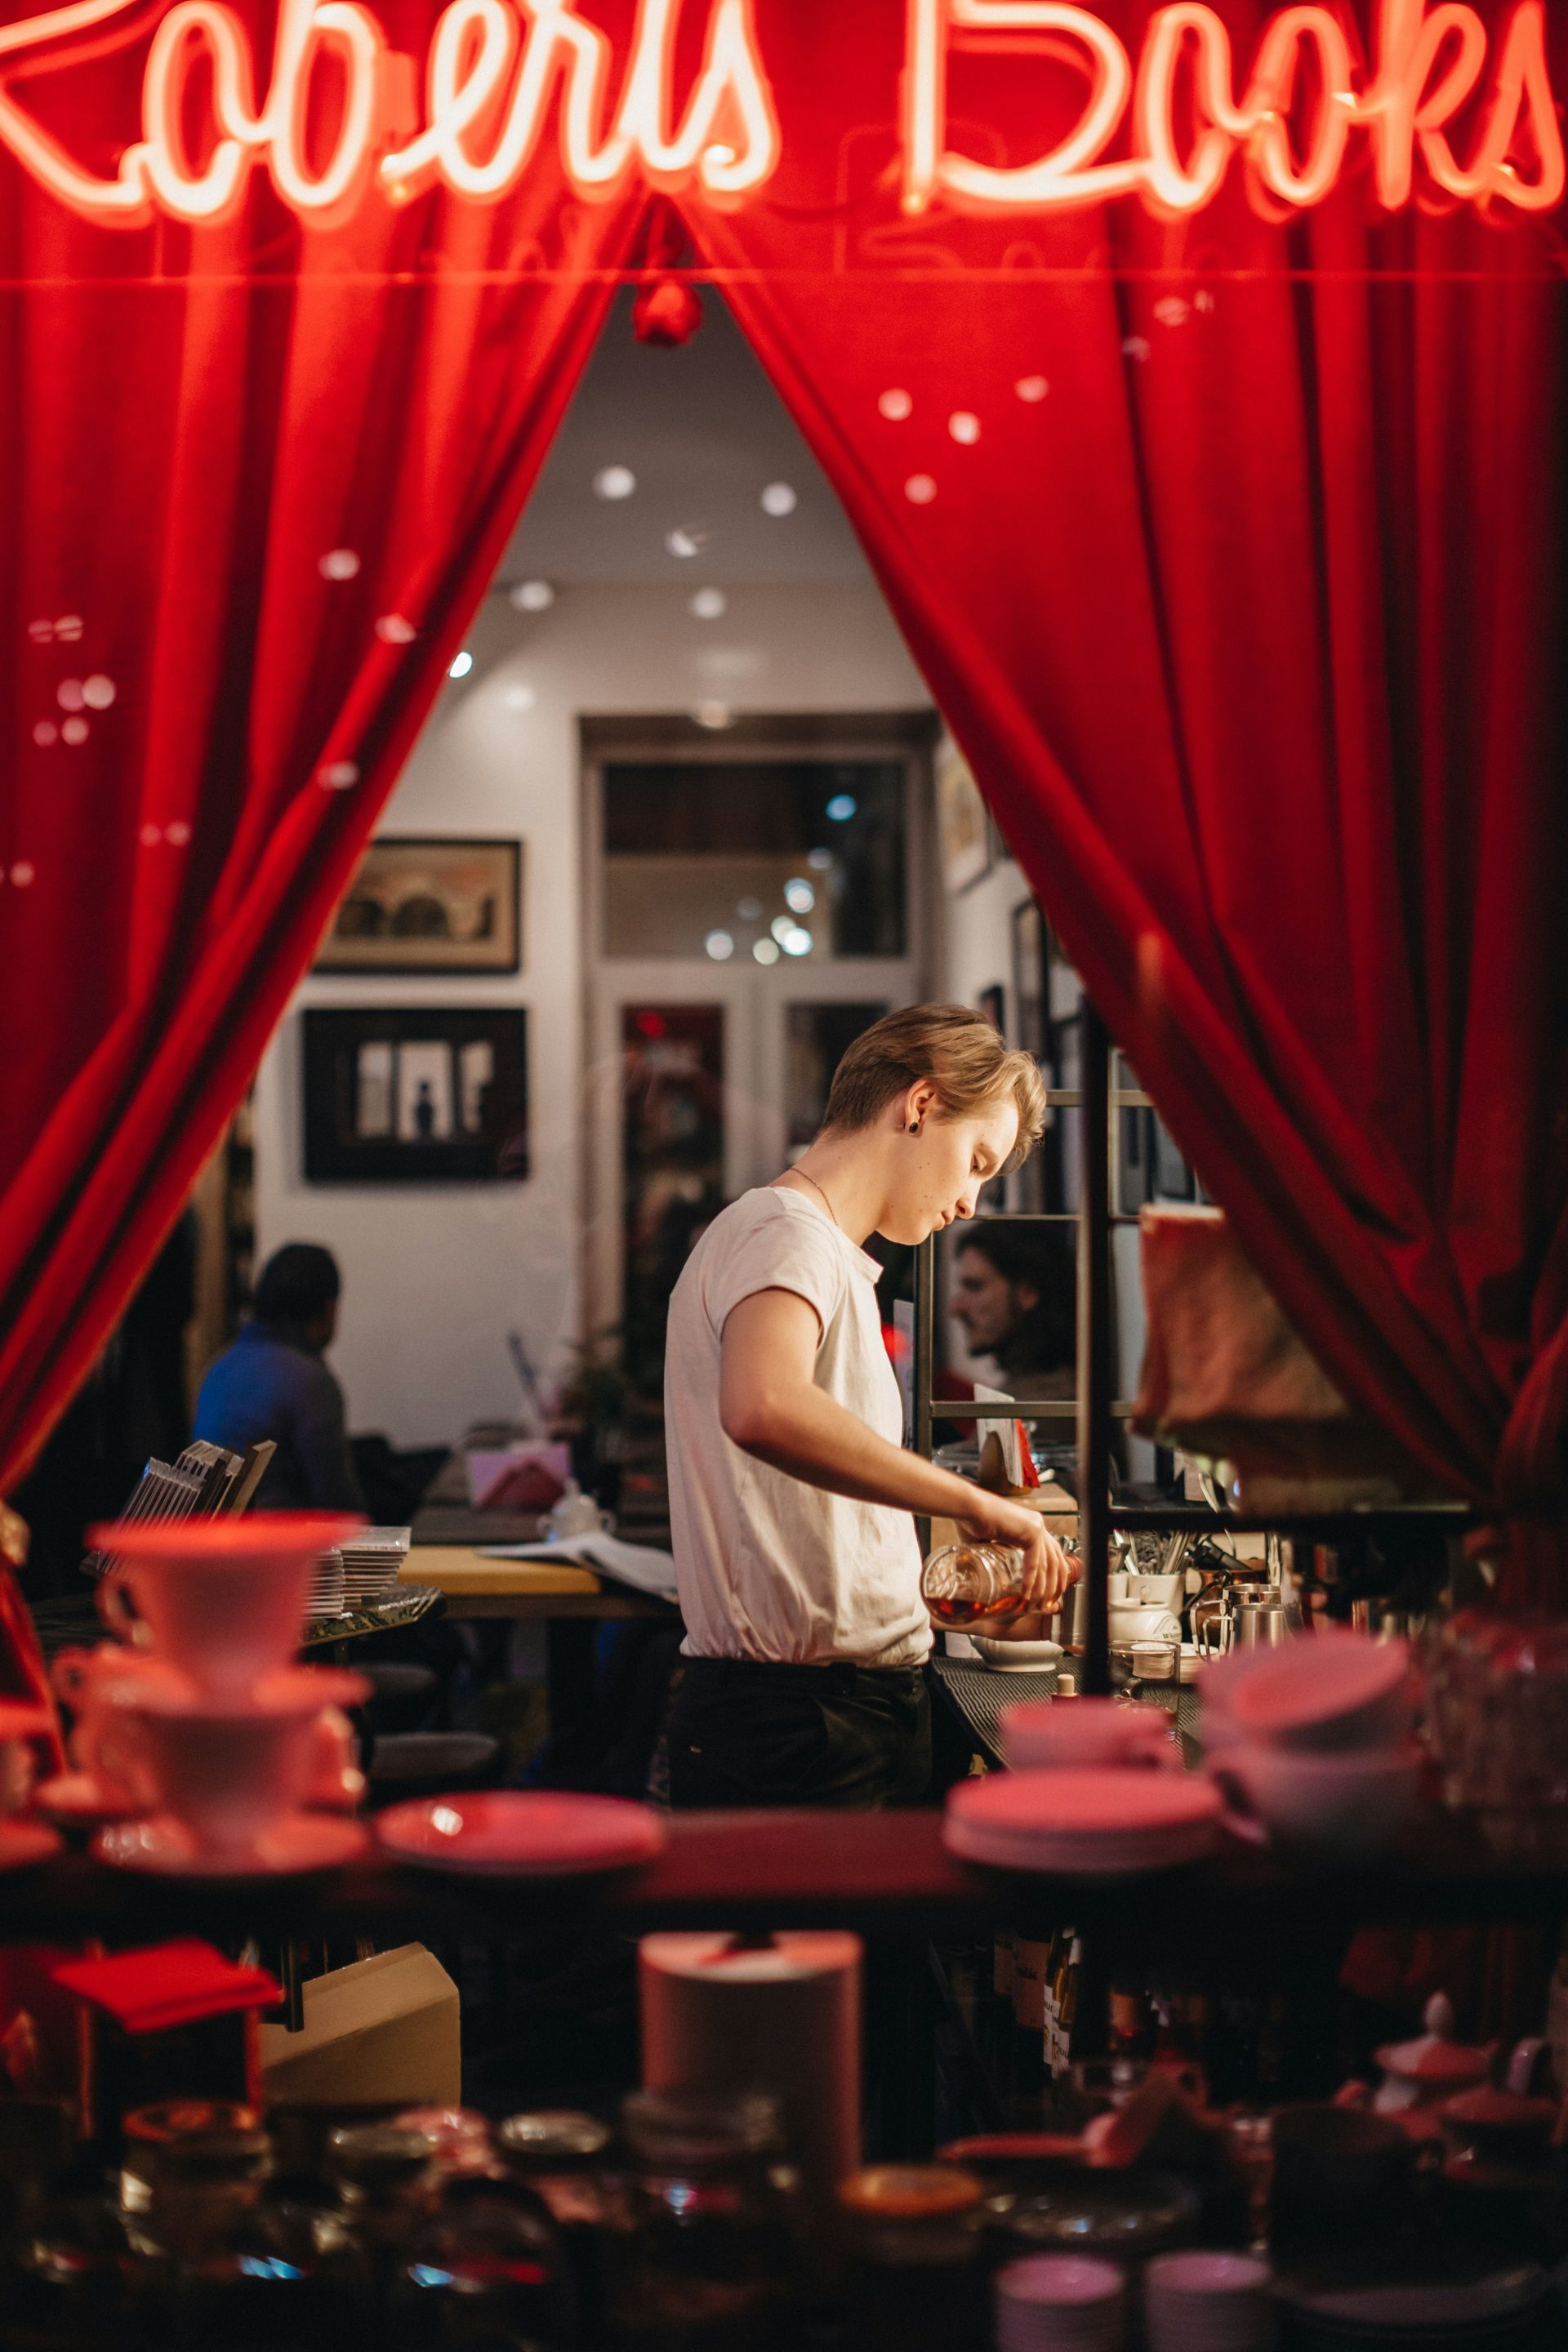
(974, 1584)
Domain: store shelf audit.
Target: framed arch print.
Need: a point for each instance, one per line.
(429, 905)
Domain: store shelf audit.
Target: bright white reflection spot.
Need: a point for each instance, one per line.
(778, 499)
(709, 604)
(519, 698)
(1173, 312)
(179, 833)
(819, 860)
(766, 950)
(22, 873)
(781, 926)
(337, 775)
(714, 714)
(68, 628)
(842, 807)
(795, 942)
(45, 733)
(919, 490)
(719, 155)
(150, 836)
(615, 482)
(750, 910)
(684, 544)
(97, 691)
(338, 563)
(720, 945)
(532, 595)
(68, 694)
(461, 664)
(75, 730)
(1031, 387)
(394, 630)
(964, 426)
(895, 405)
(799, 895)
(446, 1820)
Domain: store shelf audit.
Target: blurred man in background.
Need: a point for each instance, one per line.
(274, 1382)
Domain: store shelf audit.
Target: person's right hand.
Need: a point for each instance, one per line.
(1047, 1569)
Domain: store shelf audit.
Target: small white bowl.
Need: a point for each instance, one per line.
(1017, 1657)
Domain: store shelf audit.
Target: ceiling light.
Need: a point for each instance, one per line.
(778, 499)
(795, 942)
(720, 945)
(709, 604)
(799, 895)
(683, 543)
(766, 950)
(842, 807)
(781, 926)
(615, 482)
(461, 664)
(532, 595)
(895, 405)
(964, 426)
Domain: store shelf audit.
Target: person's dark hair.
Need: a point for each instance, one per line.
(298, 1282)
(1042, 1256)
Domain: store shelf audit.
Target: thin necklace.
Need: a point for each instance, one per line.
(817, 1188)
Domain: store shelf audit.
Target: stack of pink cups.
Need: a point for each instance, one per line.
(1060, 2303)
(199, 1747)
(1208, 2303)
(1311, 1743)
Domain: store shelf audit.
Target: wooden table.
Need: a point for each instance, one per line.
(569, 1599)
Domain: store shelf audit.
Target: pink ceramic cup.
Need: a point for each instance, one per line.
(223, 1600)
(96, 1685)
(227, 1773)
(1042, 1733)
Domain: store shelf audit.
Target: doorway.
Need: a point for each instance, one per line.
(753, 902)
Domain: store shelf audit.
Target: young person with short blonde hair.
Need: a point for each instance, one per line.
(792, 1496)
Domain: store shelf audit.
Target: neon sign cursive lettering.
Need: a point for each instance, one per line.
(498, 73)
(1430, 64)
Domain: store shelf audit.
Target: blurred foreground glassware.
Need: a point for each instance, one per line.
(706, 2256)
(1497, 1723)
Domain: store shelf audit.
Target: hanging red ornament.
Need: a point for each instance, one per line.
(667, 310)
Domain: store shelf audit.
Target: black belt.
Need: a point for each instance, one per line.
(831, 1673)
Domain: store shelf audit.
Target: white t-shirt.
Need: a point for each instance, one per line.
(767, 1566)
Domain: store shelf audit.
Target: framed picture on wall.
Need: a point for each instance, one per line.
(430, 905)
(1029, 1007)
(419, 1095)
(962, 824)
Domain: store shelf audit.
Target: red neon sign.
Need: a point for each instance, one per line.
(1430, 65)
(496, 68)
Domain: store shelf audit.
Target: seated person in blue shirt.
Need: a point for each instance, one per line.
(272, 1383)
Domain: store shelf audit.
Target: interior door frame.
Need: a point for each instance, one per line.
(754, 1119)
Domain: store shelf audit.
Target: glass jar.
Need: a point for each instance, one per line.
(563, 2157)
(704, 2256)
(485, 2270)
(64, 2283)
(970, 1584)
(913, 2279)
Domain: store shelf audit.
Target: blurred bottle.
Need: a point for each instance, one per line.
(564, 2157)
(704, 2254)
(912, 2280)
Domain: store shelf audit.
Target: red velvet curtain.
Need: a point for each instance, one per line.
(1233, 550)
(1231, 547)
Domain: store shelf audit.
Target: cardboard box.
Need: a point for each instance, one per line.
(385, 2031)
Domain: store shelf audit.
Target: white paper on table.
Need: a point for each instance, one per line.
(638, 1565)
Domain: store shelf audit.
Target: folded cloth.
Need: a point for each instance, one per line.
(162, 1985)
(1225, 1376)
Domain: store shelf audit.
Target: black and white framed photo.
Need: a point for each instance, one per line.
(434, 904)
(416, 1096)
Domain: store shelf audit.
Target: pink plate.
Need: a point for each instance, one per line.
(23, 1843)
(1084, 1820)
(296, 1844)
(516, 1834)
(1315, 1682)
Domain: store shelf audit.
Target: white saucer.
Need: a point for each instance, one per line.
(23, 1843)
(77, 1801)
(297, 1843)
(1089, 1821)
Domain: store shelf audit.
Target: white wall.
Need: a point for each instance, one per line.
(434, 1277)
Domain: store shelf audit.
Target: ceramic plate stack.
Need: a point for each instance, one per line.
(1208, 2303)
(1060, 2303)
(1087, 1822)
(326, 1594)
(372, 1560)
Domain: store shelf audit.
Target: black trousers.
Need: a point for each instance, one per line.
(742, 1733)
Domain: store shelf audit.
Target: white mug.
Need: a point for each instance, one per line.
(577, 1514)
